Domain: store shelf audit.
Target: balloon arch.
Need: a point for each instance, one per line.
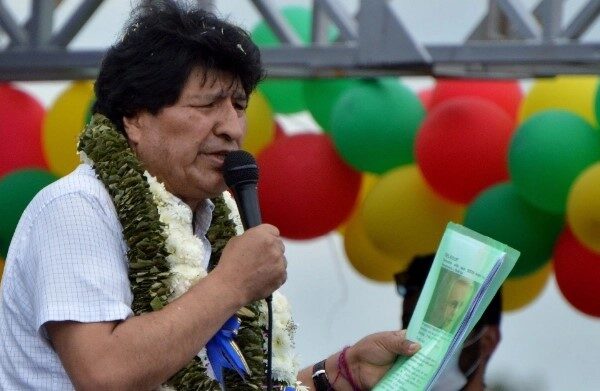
(389, 168)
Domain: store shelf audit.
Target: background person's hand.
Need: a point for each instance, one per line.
(371, 357)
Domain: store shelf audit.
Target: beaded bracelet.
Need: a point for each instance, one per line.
(345, 371)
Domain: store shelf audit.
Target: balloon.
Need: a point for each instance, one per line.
(260, 124)
(88, 113)
(597, 105)
(366, 184)
(366, 258)
(425, 98)
(299, 18)
(17, 189)
(500, 213)
(577, 271)
(518, 292)
(63, 124)
(506, 94)
(462, 146)
(305, 189)
(21, 119)
(279, 130)
(321, 96)
(575, 94)
(374, 123)
(547, 153)
(285, 95)
(583, 208)
(403, 217)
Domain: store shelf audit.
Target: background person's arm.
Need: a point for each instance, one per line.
(367, 361)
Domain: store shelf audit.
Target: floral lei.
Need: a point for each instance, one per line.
(165, 259)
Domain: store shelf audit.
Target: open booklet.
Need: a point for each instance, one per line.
(467, 271)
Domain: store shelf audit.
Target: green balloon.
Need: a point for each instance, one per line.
(17, 189)
(321, 96)
(597, 105)
(547, 153)
(298, 17)
(500, 213)
(373, 125)
(284, 95)
(287, 95)
(88, 113)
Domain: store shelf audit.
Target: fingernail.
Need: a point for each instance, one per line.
(413, 347)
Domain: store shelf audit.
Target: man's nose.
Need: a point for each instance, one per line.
(232, 122)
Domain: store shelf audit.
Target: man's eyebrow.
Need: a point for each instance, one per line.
(216, 95)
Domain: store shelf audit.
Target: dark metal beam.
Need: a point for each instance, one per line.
(583, 20)
(277, 22)
(40, 28)
(74, 24)
(16, 33)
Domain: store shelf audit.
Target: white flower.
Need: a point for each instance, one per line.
(185, 263)
(235, 213)
(84, 158)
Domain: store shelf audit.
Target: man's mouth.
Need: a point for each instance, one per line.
(217, 157)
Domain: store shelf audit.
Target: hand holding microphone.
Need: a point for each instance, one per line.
(254, 261)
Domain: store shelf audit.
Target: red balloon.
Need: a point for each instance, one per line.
(505, 93)
(21, 118)
(425, 97)
(462, 147)
(279, 131)
(305, 188)
(577, 271)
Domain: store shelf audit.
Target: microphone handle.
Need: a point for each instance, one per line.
(246, 196)
(247, 199)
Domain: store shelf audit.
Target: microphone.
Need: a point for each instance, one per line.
(241, 176)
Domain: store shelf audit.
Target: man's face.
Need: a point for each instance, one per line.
(455, 303)
(184, 145)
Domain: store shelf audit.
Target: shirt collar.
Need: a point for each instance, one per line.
(203, 217)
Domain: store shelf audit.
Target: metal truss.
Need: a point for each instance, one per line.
(510, 41)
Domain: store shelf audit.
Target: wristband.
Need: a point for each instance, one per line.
(320, 378)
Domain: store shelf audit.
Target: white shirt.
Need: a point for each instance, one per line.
(67, 261)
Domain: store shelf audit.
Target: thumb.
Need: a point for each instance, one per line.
(396, 342)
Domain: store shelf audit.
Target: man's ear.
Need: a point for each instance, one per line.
(489, 340)
(133, 127)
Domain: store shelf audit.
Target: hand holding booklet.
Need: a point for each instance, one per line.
(467, 271)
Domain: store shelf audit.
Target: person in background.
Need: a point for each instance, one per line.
(468, 373)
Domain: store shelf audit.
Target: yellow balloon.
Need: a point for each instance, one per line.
(404, 217)
(260, 124)
(367, 183)
(366, 258)
(518, 292)
(583, 207)
(576, 94)
(63, 124)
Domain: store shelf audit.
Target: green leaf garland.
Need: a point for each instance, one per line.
(122, 173)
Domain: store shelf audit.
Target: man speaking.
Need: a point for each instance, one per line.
(106, 284)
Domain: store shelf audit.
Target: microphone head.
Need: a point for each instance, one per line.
(239, 167)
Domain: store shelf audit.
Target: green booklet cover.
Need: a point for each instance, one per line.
(466, 273)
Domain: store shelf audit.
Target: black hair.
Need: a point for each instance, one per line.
(413, 279)
(161, 44)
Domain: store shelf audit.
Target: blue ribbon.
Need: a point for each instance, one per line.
(223, 352)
